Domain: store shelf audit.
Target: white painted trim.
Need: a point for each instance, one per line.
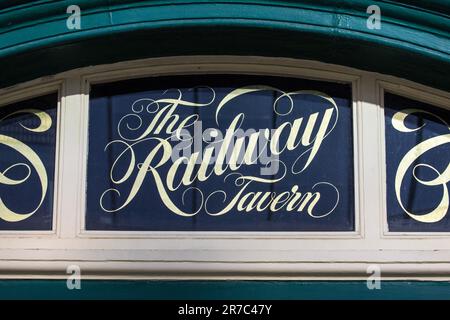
(124, 270)
(181, 255)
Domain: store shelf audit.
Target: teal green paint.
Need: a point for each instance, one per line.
(413, 42)
(212, 290)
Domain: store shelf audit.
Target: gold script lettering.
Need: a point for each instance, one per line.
(438, 213)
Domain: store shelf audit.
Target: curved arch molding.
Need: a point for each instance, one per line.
(413, 42)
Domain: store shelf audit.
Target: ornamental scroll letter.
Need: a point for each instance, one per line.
(27, 144)
(220, 153)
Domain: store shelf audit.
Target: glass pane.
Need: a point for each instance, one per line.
(220, 153)
(27, 163)
(418, 165)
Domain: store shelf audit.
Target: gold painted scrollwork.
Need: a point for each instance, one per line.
(441, 178)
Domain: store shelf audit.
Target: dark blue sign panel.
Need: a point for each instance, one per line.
(220, 153)
(27, 163)
(418, 165)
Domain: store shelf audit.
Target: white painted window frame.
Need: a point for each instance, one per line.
(223, 255)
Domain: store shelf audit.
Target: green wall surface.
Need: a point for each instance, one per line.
(413, 42)
(223, 290)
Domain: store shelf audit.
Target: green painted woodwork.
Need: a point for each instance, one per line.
(413, 42)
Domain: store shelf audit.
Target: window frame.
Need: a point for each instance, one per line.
(223, 255)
